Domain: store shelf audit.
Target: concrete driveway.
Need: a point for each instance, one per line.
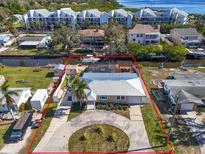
(134, 129)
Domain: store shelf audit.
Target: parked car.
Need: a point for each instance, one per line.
(20, 127)
(36, 124)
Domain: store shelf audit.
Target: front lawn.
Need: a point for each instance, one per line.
(99, 138)
(121, 109)
(76, 110)
(5, 131)
(33, 77)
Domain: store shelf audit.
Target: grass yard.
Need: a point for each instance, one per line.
(5, 131)
(99, 138)
(76, 110)
(120, 109)
(36, 80)
(46, 123)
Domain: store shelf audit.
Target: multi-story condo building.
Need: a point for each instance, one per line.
(173, 16)
(187, 36)
(121, 16)
(94, 17)
(144, 34)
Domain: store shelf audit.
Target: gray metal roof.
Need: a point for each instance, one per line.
(114, 84)
(186, 31)
(185, 97)
(189, 75)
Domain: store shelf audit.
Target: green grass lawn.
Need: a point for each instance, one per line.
(37, 80)
(5, 131)
(99, 138)
(76, 110)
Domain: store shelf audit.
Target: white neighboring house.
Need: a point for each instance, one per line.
(124, 88)
(144, 34)
(122, 17)
(39, 98)
(2, 80)
(6, 39)
(23, 96)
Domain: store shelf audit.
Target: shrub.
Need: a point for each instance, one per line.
(114, 137)
(109, 138)
(84, 137)
(22, 107)
(99, 130)
(37, 70)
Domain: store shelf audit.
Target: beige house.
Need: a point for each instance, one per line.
(93, 38)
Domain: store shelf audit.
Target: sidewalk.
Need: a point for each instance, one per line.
(60, 117)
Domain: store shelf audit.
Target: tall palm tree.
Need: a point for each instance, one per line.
(79, 87)
(7, 95)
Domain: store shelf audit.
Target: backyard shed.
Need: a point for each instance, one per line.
(39, 98)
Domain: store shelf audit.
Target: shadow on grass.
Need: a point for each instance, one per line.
(50, 75)
(8, 133)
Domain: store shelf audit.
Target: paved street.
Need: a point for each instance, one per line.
(133, 128)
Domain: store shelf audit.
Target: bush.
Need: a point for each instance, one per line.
(114, 137)
(99, 130)
(22, 107)
(37, 70)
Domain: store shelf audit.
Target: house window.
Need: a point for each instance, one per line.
(120, 97)
(103, 97)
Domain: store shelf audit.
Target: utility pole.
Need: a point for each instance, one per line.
(174, 114)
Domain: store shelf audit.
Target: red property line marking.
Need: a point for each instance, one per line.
(149, 94)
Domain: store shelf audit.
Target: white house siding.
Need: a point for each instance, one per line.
(187, 107)
(134, 100)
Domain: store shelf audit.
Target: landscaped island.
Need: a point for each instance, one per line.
(99, 138)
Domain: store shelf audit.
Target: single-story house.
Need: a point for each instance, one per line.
(58, 68)
(189, 94)
(23, 96)
(34, 41)
(6, 39)
(124, 88)
(39, 98)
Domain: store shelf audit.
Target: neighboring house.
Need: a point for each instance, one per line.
(173, 16)
(125, 88)
(144, 34)
(2, 80)
(39, 98)
(122, 17)
(189, 94)
(6, 39)
(58, 68)
(23, 96)
(33, 41)
(187, 36)
(93, 38)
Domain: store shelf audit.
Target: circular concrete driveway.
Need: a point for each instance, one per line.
(135, 130)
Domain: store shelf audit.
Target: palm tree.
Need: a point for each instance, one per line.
(7, 96)
(79, 87)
